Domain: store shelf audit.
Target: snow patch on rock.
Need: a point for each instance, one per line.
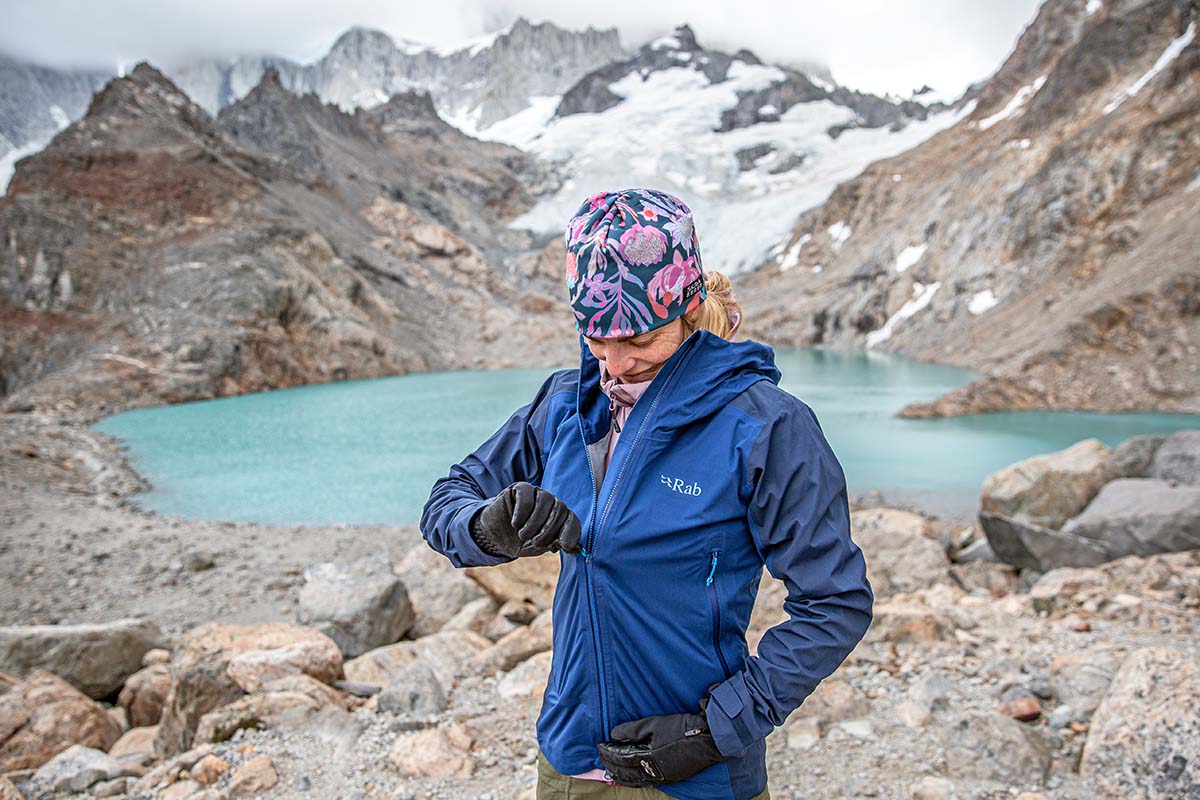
(1168, 55)
(910, 256)
(839, 232)
(922, 295)
(1014, 105)
(982, 301)
(793, 256)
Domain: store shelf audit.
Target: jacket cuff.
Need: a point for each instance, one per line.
(730, 718)
(469, 551)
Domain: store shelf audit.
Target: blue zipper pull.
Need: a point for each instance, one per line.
(712, 571)
(583, 552)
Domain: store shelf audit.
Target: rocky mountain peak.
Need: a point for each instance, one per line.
(685, 38)
(146, 89)
(359, 42)
(270, 80)
(287, 125)
(408, 107)
(141, 111)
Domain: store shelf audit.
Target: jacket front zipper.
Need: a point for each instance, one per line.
(715, 607)
(588, 545)
(589, 549)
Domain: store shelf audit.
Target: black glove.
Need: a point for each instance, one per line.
(661, 749)
(526, 520)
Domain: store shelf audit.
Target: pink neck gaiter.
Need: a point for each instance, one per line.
(621, 397)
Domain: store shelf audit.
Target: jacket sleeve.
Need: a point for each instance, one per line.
(513, 453)
(799, 515)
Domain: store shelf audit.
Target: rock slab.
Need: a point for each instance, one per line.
(1049, 489)
(360, 605)
(94, 658)
(42, 715)
(216, 664)
(1145, 736)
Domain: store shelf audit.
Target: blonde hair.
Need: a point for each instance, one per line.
(720, 313)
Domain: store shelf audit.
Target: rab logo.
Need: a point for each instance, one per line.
(678, 485)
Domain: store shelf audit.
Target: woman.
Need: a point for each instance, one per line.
(666, 471)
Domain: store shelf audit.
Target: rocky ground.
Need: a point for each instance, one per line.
(251, 671)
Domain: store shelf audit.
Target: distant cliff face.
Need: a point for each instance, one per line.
(153, 254)
(1049, 239)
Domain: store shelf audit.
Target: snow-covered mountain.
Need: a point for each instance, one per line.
(748, 145)
(473, 84)
(36, 103)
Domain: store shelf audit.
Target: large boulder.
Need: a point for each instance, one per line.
(901, 550)
(1141, 516)
(1178, 458)
(360, 605)
(144, 693)
(1049, 489)
(449, 654)
(253, 711)
(441, 752)
(414, 690)
(437, 590)
(95, 658)
(526, 679)
(1144, 739)
(1027, 545)
(522, 644)
(525, 579)
(986, 745)
(474, 616)
(1133, 457)
(42, 715)
(215, 664)
(79, 767)
(135, 743)
(294, 697)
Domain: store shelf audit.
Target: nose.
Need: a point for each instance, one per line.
(620, 363)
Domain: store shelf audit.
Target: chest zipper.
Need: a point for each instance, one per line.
(588, 551)
(715, 607)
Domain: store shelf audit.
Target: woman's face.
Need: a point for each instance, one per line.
(635, 359)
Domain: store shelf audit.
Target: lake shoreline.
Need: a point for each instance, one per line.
(78, 547)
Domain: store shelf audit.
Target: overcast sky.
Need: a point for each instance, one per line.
(874, 45)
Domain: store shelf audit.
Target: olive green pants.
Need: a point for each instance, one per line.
(553, 785)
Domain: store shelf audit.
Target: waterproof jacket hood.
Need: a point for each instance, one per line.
(717, 473)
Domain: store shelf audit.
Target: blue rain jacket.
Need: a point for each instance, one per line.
(717, 472)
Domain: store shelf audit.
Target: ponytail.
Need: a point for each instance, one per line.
(720, 313)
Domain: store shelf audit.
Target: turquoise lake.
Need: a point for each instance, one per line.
(367, 452)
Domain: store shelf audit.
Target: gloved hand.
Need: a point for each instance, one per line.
(526, 520)
(661, 749)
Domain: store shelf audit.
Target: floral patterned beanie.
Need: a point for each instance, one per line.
(633, 263)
